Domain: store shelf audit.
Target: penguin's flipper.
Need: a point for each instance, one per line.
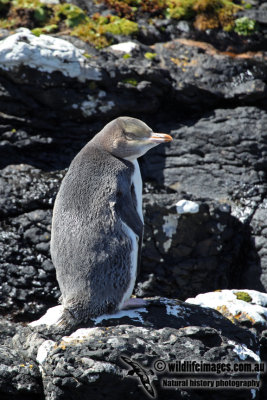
(131, 372)
(127, 211)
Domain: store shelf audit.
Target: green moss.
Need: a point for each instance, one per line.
(41, 14)
(86, 55)
(94, 29)
(245, 26)
(243, 296)
(130, 81)
(37, 31)
(206, 14)
(46, 29)
(125, 56)
(180, 9)
(120, 26)
(71, 14)
(150, 56)
(246, 5)
(98, 30)
(89, 32)
(26, 3)
(129, 8)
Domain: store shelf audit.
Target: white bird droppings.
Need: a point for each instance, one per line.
(187, 207)
(243, 351)
(47, 54)
(125, 47)
(44, 350)
(132, 314)
(169, 228)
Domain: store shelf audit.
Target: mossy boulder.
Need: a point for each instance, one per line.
(243, 296)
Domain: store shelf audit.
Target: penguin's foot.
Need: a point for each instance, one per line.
(53, 316)
(56, 316)
(133, 303)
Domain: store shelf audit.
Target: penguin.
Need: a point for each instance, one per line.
(97, 223)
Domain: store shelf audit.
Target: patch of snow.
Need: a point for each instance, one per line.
(47, 54)
(51, 317)
(187, 207)
(125, 47)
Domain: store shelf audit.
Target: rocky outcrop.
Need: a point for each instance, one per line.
(28, 282)
(184, 254)
(242, 307)
(204, 203)
(217, 161)
(91, 361)
(246, 308)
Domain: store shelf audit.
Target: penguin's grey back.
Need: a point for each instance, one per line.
(89, 247)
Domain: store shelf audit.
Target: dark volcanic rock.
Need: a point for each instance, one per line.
(185, 254)
(217, 161)
(38, 104)
(220, 156)
(250, 278)
(200, 71)
(88, 362)
(27, 274)
(20, 377)
(213, 100)
(24, 189)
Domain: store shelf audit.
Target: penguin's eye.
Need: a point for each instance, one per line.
(131, 136)
(136, 135)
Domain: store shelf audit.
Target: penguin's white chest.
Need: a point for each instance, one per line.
(138, 188)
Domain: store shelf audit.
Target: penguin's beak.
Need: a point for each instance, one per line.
(160, 138)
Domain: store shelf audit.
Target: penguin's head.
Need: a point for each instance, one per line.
(129, 138)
